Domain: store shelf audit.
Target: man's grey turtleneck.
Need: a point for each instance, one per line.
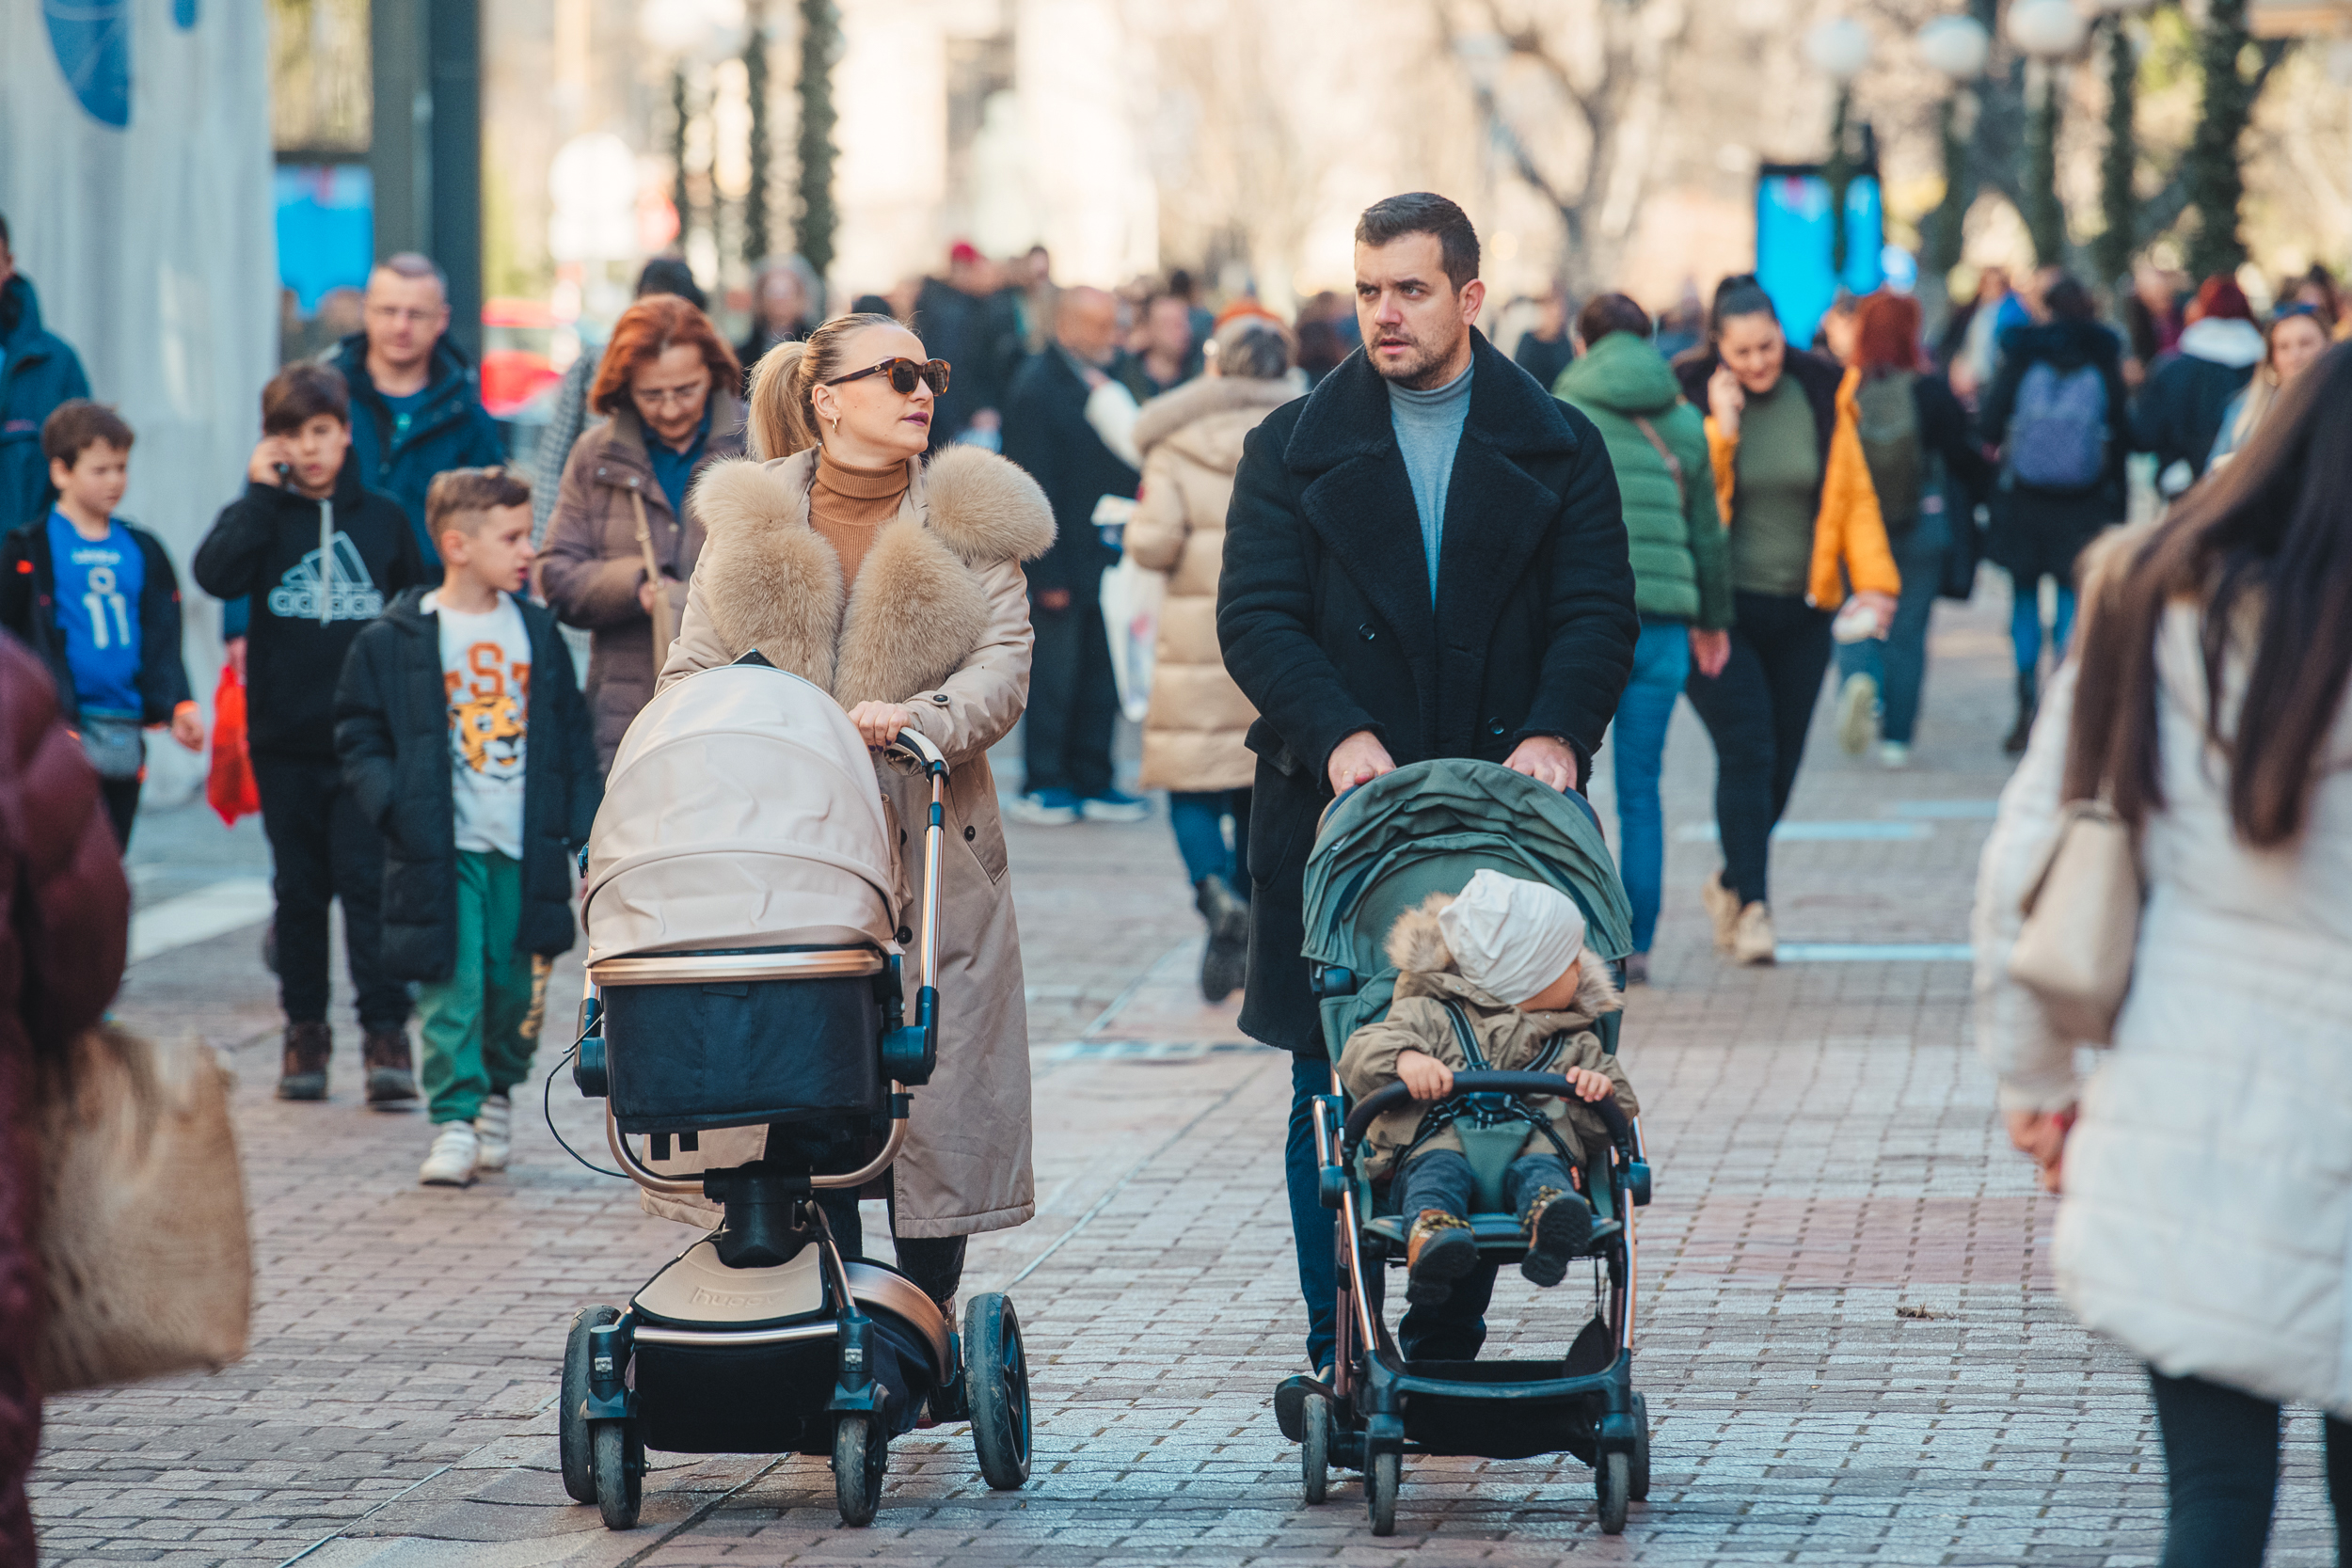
(1429, 429)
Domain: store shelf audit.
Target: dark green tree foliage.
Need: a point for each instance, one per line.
(1941, 231)
(2118, 200)
(2045, 216)
(679, 197)
(756, 86)
(815, 215)
(2216, 184)
(1839, 173)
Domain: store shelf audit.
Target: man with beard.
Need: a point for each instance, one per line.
(1424, 558)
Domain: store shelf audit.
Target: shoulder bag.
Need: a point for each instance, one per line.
(143, 1240)
(2081, 932)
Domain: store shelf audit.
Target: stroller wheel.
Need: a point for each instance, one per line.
(572, 1444)
(1641, 1450)
(861, 1456)
(620, 1464)
(997, 1386)
(1613, 1482)
(1380, 1484)
(1314, 1449)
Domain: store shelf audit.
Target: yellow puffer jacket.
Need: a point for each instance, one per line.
(1847, 532)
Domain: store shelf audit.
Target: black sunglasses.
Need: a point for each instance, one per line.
(903, 374)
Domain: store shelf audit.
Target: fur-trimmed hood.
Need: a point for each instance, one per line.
(1174, 413)
(769, 582)
(1425, 967)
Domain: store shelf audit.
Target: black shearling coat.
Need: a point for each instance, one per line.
(391, 731)
(1325, 617)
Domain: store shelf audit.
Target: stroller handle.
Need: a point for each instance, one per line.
(1380, 1102)
(919, 746)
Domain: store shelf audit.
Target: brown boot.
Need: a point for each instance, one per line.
(391, 1078)
(304, 1073)
(1438, 1250)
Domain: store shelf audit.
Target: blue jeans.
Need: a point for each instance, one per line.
(1199, 818)
(1314, 1229)
(1661, 663)
(1900, 663)
(2025, 621)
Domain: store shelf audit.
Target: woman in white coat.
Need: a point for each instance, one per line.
(2207, 1219)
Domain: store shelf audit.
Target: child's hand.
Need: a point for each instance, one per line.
(1427, 1077)
(1589, 1085)
(272, 451)
(187, 726)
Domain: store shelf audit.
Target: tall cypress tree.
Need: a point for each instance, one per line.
(2216, 183)
(2118, 200)
(2044, 215)
(814, 216)
(756, 88)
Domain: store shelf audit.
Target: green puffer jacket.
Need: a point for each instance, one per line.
(1681, 567)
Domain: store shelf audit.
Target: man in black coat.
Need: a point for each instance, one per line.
(1424, 558)
(1074, 698)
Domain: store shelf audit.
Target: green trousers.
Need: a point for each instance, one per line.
(479, 1026)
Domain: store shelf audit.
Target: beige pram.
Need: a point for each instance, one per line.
(744, 983)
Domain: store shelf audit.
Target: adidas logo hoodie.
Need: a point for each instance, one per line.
(314, 572)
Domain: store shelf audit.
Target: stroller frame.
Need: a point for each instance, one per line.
(756, 1263)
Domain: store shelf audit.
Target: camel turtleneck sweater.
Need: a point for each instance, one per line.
(848, 507)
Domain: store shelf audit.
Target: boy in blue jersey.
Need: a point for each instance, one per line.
(98, 600)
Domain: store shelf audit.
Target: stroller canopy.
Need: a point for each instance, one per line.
(1428, 828)
(742, 811)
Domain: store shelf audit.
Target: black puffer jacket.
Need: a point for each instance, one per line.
(2042, 532)
(391, 729)
(1323, 614)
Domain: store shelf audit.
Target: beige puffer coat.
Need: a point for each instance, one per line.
(1191, 442)
(938, 620)
(1511, 1040)
(2206, 1224)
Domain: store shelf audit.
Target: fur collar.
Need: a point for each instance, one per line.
(1425, 967)
(918, 608)
(1347, 414)
(1170, 412)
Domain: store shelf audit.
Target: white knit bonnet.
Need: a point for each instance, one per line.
(1510, 936)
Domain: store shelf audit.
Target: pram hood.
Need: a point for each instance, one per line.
(1427, 828)
(741, 811)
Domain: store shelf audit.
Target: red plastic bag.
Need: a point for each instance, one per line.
(229, 787)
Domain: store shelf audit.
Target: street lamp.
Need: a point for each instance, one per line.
(2046, 32)
(1840, 49)
(1955, 48)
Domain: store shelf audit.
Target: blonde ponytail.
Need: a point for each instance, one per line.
(783, 418)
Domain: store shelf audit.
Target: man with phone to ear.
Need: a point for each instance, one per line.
(318, 555)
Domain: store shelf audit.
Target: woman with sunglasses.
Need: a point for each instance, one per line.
(896, 584)
(623, 530)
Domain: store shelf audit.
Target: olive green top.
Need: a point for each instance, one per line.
(1779, 484)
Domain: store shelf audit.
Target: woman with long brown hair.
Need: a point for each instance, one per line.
(2207, 1161)
(623, 538)
(840, 555)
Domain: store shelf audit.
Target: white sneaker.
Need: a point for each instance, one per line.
(457, 1148)
(1043, 808)
(1894, 754)
(1857, 713)
(494, 1125)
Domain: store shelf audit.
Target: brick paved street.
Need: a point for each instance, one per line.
(1849, 1347)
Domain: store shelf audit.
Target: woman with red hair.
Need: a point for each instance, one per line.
(1923, 458)
(625, 537)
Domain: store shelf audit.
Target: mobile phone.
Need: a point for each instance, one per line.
(285, 474)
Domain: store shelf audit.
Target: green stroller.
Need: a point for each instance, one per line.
(1381, 850)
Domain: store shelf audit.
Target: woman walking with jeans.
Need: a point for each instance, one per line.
(2204, 1226)
(1783, 437)
(1681, 575)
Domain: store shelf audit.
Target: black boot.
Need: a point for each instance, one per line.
(2028, 703)
(1225, 962)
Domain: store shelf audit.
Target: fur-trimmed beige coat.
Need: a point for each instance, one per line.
(1191, 441)
(938, 620)
(1511, 1040)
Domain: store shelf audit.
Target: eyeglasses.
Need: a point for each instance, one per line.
(903, 374)
(685, 397)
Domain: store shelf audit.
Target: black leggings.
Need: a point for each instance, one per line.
(2222, 1472)
(1757, 712)
(933, 1262)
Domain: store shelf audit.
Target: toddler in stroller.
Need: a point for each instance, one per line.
(1495, 979)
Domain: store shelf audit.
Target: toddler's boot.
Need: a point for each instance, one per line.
(303, 1073)
(391, 1077)
(1559, 1226)
(1438, 1250)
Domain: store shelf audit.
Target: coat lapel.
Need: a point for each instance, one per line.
(1360, 502)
